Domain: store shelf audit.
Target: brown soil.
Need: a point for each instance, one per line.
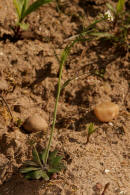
(29, 75)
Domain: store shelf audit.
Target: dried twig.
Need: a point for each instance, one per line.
(105, 188)
(7, 108)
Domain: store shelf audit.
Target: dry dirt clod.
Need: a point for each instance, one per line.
(35, 123)
(106, 111)
(3, 84)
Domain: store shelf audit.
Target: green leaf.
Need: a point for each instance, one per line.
(53, 170)
(43, 155)
(24, 7)
(66, 83)
(17, 5)
(19, 123)
(24, 26)
(36, 157)
(55, 162)
(37, 175)
(91, 129)
(101, 35)
(53, 154)
(91, 26)
(34, 6)
(31, 163)
(45, 176)
(120, 6)
(28, 169)
(34, 174)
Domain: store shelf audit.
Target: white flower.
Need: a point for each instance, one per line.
(109, 15)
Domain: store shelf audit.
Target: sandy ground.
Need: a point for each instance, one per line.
(28, 82)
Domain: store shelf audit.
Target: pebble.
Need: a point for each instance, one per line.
(106, 171)
(35, 123)
(106, 111)
(111, 124)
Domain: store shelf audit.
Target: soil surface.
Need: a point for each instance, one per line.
(28, 83)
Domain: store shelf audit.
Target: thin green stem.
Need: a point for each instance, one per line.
(62, 62)
(55, 112)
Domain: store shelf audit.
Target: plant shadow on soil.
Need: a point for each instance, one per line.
(15, 185)
(42, 74)
(90, 7)
(29, 35)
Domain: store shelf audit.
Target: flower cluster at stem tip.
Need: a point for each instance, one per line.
(109, 15)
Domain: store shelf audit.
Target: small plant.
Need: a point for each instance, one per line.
(43, 165)
(18, 123)
(91, 130)
(118, 11)
(23, 9)
(38, 168)
(120, 22)
(119, 25)
(47, 163)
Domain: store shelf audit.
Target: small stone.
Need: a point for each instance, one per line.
(106, 171)
(35, 123)
(106, 111)
(3, 84)
(111, 124)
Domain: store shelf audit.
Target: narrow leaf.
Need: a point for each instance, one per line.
(44, 176)
(53, 170)
(91, 128)
(31, 163)
(55, 162)
(101, 35)
(66, 83)
(34, 174)
(36, 157)
(53, 154)
(34, 6)
(17, 6)
(24, 7)
(120, 6)
(91, 26)
(28, 169)
(43, 155)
